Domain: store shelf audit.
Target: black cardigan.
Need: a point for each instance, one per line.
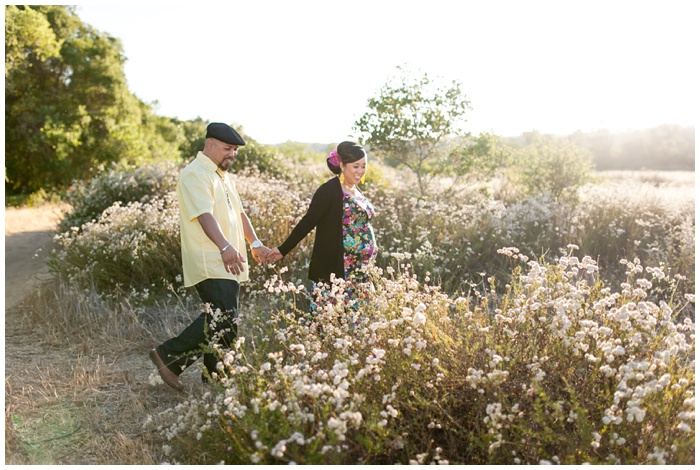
(325, 213)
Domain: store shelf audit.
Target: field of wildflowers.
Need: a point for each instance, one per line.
(500, 330)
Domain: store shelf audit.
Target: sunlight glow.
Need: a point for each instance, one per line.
(304, 71)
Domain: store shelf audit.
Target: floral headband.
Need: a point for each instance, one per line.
(334, 158)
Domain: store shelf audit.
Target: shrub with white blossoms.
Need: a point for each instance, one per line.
(560, 369)
(573, 359)
(89, 199)
(455, 248)
(129, 246)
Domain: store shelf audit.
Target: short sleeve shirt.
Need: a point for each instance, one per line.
(204, 188)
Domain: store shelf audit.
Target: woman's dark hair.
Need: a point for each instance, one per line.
(348, 152)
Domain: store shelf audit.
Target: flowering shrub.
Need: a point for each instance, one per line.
(89, 199)
(455, 240)
(562, 368)
(656, 224)
(458, 355)
(136, 246)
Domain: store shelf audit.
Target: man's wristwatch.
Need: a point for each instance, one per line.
(256, 244)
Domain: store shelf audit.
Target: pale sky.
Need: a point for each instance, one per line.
(303, 70)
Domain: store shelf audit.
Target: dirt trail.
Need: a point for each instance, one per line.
(29, 236)
(68, 404)
(28, 239)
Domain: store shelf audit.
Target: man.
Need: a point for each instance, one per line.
(214, 229)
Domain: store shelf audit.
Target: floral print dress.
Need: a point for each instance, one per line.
(359, 248)
(359, 243)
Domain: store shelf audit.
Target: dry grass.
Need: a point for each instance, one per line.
(83, 402)
(654, 178)
(77, 373)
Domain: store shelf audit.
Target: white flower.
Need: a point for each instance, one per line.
(619, 351)
(683, 426)
(419, 318)
(392, 411)
(154, 379)
(279, 449)
(635, 413)
(298, 348)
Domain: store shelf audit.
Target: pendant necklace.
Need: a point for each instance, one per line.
(228, 198)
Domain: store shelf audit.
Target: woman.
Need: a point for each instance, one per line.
(344, 241)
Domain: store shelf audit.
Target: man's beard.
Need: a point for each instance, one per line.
(226, 164)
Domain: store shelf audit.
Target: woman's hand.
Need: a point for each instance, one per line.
(260, 254)
(274, 256)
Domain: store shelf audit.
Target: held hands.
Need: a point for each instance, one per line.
(233, 260)
(273, 256)
(260, 254)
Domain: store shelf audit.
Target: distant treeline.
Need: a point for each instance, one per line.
(668, 147)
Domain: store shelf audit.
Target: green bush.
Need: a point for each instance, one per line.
(263, 157)
(34, 199)
(560, 369)
(90, 198)
(554, 167)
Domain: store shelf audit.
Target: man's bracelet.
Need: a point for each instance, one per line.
(224, 249)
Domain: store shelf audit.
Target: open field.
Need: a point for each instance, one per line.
(85, 398)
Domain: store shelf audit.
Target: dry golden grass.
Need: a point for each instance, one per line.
(76, 376)
(80, 402)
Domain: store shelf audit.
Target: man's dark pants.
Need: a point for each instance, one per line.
(181, 351)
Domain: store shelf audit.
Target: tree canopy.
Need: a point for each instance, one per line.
(68, 109)
(416, 122)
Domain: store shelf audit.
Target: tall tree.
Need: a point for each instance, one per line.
(27, 32)
(68, 110)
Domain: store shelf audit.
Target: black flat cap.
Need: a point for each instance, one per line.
(224, 133)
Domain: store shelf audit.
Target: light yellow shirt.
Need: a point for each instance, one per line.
(204, 188)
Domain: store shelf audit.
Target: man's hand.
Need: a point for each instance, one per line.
(274, 256)
(260, 254)
(233, 261)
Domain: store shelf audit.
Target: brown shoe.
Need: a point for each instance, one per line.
(166, 374)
